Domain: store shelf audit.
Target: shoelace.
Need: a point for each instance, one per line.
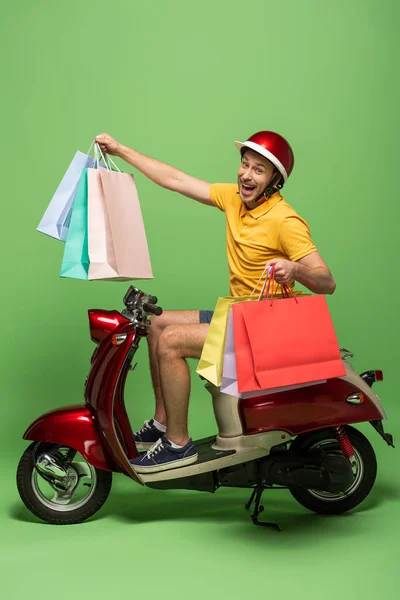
(155, 449)
(145, 427)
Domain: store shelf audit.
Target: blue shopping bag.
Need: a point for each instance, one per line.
(55, 221)
(75, 263)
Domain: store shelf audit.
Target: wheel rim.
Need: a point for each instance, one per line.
(82, 486)
(358, 471)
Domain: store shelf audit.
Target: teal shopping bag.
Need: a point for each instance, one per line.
(75, 262)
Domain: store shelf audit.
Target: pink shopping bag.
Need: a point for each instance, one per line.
(116, 236)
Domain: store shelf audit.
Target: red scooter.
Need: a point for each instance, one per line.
(297, 439)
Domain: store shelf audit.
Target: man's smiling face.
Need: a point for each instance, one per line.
(255, 173)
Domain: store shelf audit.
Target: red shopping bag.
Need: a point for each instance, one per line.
(284, 342)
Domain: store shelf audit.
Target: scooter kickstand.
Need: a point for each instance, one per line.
(257, 493)
(250, 502)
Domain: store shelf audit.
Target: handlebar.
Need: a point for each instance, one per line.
(135, 299)
(152, 308)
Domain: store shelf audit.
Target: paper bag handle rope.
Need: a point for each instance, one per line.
(264, 284)
(270, 271)
(106, 158)
(286, 291)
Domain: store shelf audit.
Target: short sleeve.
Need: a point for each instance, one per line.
(221, 194)
(295, 238)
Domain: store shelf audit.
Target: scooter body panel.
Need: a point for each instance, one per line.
(300, 411)
(104, 392)
(309, 408)
(104, 322)
(72, 426)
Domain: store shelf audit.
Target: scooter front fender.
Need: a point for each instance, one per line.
(72, 426)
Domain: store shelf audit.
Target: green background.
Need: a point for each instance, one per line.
(181, 81)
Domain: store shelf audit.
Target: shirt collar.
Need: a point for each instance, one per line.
(265, 207)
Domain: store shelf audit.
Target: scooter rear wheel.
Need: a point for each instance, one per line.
(83, 491)
(364, 472)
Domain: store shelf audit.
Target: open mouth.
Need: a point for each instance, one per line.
(246, 189)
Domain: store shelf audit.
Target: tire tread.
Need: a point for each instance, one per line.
(24, 474)
(367, 453)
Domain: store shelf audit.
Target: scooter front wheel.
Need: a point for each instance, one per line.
(59, 486)
(364, 471)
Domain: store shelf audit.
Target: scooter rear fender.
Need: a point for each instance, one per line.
(72, 426)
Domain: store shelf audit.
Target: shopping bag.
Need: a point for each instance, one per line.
(229, 374)
(75, 263)
(102, 260)
(56, 219)
(285, 342)
(123, 240)
(212, 357)
(211, 360)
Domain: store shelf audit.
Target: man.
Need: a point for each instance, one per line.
(262, 229)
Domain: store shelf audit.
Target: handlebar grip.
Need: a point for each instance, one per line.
(152, 309)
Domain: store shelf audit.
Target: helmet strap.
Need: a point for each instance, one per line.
(274, 186)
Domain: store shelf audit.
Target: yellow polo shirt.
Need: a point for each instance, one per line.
(271, 230)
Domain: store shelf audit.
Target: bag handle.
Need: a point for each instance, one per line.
(106, 158)
(269, 271)
(286, 291)
(271, 277)
(264, 284)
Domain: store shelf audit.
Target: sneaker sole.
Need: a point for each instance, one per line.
(171, 465)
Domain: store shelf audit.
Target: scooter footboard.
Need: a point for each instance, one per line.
(71, 426)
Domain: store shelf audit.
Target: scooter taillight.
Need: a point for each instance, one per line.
(103, 322)
(371, 376)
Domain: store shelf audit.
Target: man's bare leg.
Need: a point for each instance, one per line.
(158, 325)
(176, 343)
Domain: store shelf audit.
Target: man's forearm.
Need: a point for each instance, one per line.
(157, 171)
(318, 280)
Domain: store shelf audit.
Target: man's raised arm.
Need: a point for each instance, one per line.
(162, 174)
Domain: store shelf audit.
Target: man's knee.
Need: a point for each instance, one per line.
(169, 318)
(158, 324)
(168, 341)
